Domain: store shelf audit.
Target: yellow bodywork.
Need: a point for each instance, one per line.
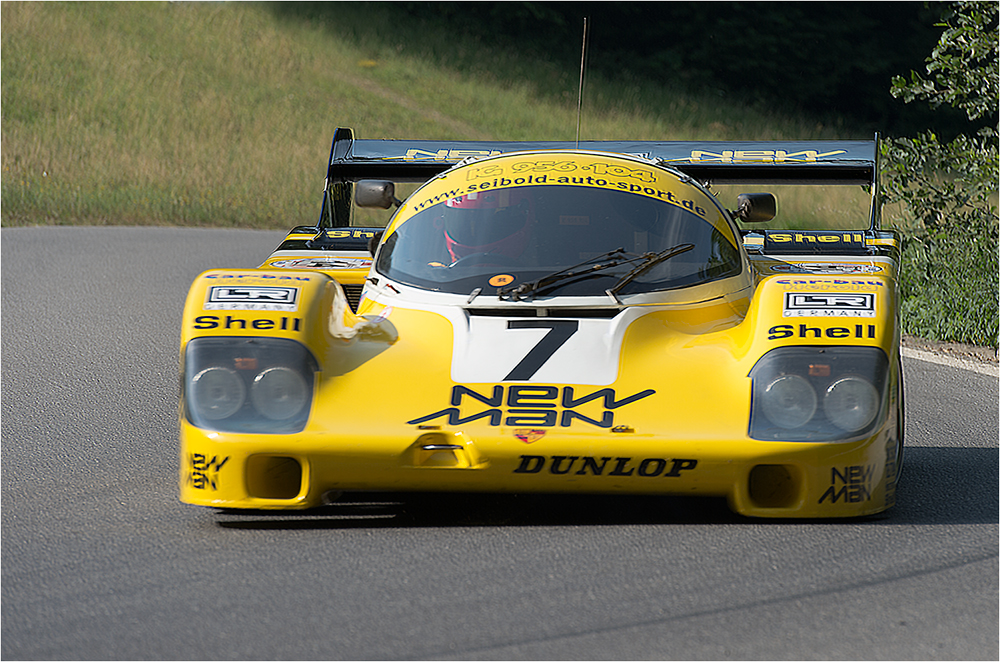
(387, 414)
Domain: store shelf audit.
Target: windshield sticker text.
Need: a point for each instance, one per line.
(562, 167)
(638, 181)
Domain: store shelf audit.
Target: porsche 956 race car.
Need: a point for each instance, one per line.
(685, 318)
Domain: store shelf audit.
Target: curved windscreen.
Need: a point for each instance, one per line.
(603, 238)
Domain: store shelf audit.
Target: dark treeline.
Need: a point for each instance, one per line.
(830, 60)
(823, 58)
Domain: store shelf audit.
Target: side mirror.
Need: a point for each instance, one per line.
(755, 207)
(374, 193)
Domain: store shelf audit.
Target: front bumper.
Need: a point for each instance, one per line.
(761, 479)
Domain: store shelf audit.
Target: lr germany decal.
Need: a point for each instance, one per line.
(532, 406)
(252, 297)
(829, 304)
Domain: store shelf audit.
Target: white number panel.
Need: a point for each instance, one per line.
(536, 349)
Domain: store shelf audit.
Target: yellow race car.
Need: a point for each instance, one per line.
(687, 318)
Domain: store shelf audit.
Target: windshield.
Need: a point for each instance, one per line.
(502, 237)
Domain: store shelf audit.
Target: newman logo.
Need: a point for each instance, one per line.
(532, 406)
(447, 154)
(829, 304)
(252, 298)
(764, 156)
(852, 484)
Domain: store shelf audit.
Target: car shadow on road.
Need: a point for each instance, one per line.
(939, 486)
(947, 485)
(367, 510)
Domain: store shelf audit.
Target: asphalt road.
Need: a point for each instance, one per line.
(101, 561)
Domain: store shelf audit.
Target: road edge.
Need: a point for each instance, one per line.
(989, 369)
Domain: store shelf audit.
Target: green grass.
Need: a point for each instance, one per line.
(221, 114)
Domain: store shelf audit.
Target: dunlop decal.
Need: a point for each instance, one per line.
(649, 467)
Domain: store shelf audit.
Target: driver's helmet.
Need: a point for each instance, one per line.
(495, 222)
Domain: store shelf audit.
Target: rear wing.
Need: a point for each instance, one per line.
(751, 162)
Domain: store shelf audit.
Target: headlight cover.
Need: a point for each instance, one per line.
(254, 385)
(830, 393)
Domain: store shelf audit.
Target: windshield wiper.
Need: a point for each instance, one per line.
(532, 287)
(650, 260)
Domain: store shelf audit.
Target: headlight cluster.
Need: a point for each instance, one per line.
(817, 393)
(248, 384)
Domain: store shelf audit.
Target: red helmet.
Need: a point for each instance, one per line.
(496, 222)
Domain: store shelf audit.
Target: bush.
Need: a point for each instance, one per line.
(946, 190)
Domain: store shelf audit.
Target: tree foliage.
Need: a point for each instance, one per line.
(831, 61)
(947, 188)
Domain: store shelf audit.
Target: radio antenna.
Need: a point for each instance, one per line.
(579, 103)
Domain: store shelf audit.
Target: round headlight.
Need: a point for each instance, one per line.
(851, 403)
(217, 393)
(279, 393)
(789, 401)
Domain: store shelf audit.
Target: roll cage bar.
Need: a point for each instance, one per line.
(729, 162)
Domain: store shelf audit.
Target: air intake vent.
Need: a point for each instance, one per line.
(572, 313)
(353, 293)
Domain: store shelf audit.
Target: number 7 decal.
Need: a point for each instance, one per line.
(559, 333)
